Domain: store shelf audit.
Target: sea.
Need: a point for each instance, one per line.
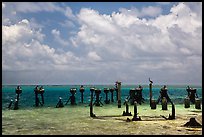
(177, 93)
(76, 120)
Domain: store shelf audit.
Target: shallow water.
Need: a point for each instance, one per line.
(76, 120)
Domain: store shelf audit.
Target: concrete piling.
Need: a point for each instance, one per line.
(135, 118)
(187, 102)
(91, 103)
(82, 93)
(197, 103)
(112, 90)
(150, 94)
(119, 94)
(164, 103)
(153, 104)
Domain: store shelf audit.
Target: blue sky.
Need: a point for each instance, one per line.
(101, 42)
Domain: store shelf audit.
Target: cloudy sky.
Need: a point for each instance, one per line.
(100, 43)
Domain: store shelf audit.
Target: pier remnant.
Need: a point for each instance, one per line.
(192, 94)
(197, 103)
(91, 103)
(153, 104)
(119, 93)
(135, 118)
(41, 93)
(106, 91)
(150, 92)
(16, 104)
(10, 104)
(60, 103)
(98, 100)
(172, 116)
(72, 97)
(138, 96)
(132, 95)
(111, 91)
(164, 103)
(82, 93)
(187, 102)
(38, 91)
(127, 113)
(18, 92)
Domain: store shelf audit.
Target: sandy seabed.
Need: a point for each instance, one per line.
(76, 120)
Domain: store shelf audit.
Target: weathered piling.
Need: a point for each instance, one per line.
(153, 104)
(97, 93)
(10, 104)
(164, 103)
(106, 91)
(16, 104)
(111, 91)
(150, 92)
(72, 97)
(197, 103)
(187, 102)
(91, 103)
(42, 94)
(82, 93)
(126, 113)
(132, 95)
(60, 103)
(18, 92)
(119, 94)
(73, 92)
(135, 118)
(173, 114)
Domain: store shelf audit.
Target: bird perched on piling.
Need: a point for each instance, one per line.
(150, 81)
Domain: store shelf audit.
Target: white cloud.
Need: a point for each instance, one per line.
(150, 11)
(94, 56)
(36, 7)
(125, 38)
(23, 49)
(55, 32)
(57, 37)
(20, 32)
(69, 14)
(127, 45)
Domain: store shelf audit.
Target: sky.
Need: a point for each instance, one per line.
(62, 43)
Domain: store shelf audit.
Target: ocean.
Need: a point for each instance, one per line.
(76, 120)
(177, 93)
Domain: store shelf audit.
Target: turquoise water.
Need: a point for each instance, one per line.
(52, 92)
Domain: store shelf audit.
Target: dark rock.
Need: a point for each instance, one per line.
(193, 123)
